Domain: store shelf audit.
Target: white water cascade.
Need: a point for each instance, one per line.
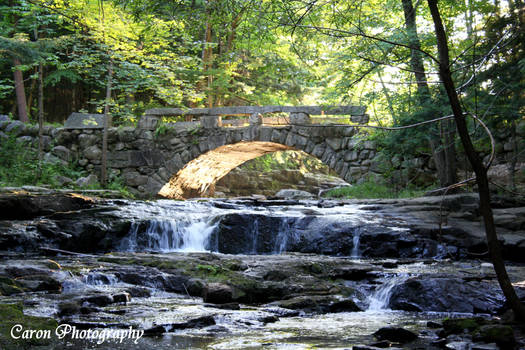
(169, 236)
(355, 241)
(381, 297)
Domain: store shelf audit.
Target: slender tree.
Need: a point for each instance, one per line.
(443, 151)
(476, 162)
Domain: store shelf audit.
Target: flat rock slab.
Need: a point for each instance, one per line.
(85, 121)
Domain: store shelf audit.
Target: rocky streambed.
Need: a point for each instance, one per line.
(247, 273)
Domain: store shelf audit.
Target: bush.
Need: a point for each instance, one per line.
(19, 167)
(372, 189)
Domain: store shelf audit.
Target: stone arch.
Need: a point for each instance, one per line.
(333, 145)
(199, 175)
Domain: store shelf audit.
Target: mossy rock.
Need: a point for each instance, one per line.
(9, 286)
(502, 335)
(52, 264)
(462, 325)
(12, 314)
(314, 268)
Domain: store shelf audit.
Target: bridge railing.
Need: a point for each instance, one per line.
(242, 116)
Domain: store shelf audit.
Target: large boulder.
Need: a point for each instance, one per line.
(22, 207)
(87, 181)
(217, 293)
(395, 334)
(293, 194)
(15, 127)
(446, 294)
(62, 153)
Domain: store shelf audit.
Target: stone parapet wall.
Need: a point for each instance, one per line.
(146, 159)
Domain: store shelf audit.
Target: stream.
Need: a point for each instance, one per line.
(292, 275)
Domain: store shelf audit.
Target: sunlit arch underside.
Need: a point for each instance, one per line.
(197, 178)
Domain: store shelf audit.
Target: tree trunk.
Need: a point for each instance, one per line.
(103, 170)
(31, 89)
(444, 153)
(40, 116)
(513, 161)
(207, 55)
(477, 165)
(21, 102)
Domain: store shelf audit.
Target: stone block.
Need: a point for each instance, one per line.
(218, 140)
(349, 131)
(318, 151)
(276, 136)
(185, 156)
(195, 152)
(87, 181)
(352, 143)
(333, 162)
(134, 179)
(145, 135)
(300, 118)
(24, 139)
(334, 143)
(174, 164)
(303, 130)
(119, 146)
(136, 159)
(62, 136)
(62, 153)
(351, 156)
(86, 121)
(371, 145)
(255, 119)
(364, 154)
(86, 140)
(210, 121)
(92, 153)
(112, 135)
(237, 136)
(153, 186)
(148, 122)
(265, 133)
(126, 134)
(360, 119)
(203, 145)
(329, 131)
(309, 147)
(290, 140)
(339, 167)
(164, 174)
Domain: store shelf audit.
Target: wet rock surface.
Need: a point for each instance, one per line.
(407, 228)
(314, 292)
(444, 293)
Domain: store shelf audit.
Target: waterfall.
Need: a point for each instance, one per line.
(283, 235)
(355, 240)
(381, 297)
(255, 234)
(169, 236)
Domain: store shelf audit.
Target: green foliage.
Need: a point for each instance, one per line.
(12, 314)
(20, 167)
(162, 128)
(372, 189)
(293, 160)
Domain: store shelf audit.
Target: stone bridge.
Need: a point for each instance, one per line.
(184, 159)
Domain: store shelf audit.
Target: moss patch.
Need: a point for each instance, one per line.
(460, 325)
(12, 314)
(9, 286)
